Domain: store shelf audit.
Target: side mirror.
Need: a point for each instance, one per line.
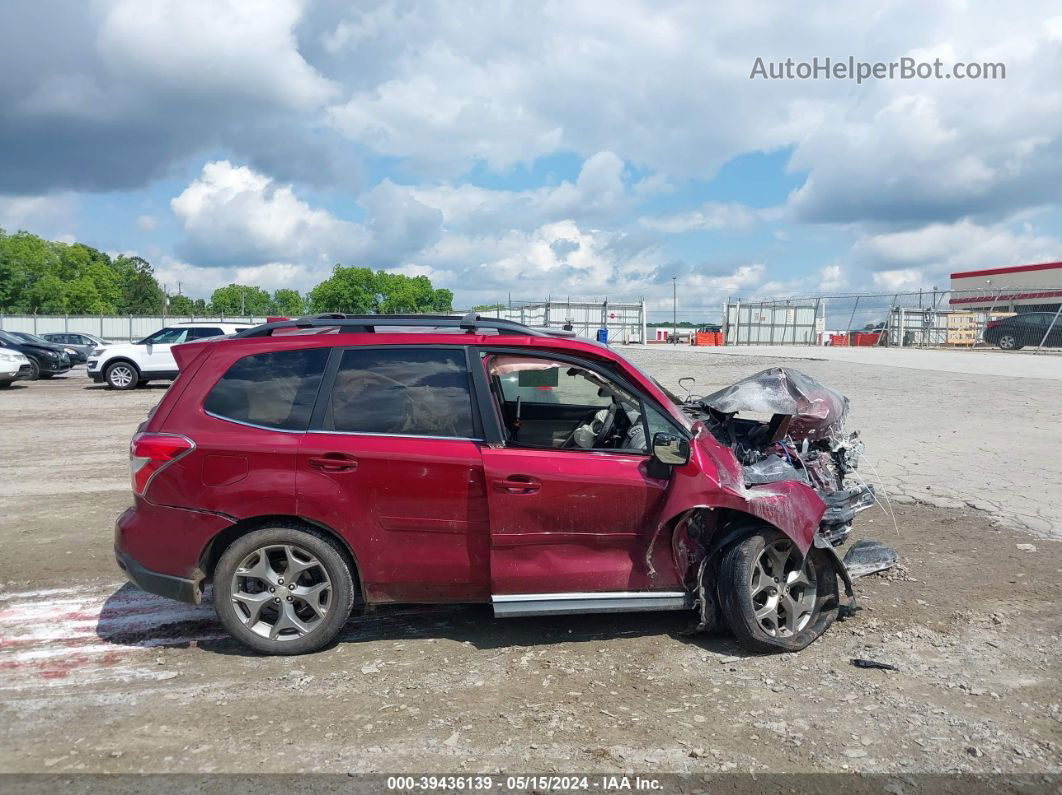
(671, 449)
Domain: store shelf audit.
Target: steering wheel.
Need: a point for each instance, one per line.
(606, 425)
(606, 428)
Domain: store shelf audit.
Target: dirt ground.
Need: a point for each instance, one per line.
(98, 677)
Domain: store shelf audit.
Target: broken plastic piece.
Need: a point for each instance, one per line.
(866, 557)
(859, 662)
(771, 469)
(818, 412)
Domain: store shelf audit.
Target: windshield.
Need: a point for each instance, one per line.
(670, 395)
(166, 336)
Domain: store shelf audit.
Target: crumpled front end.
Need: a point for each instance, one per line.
(796, 434)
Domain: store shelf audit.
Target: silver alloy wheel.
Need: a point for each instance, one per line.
(121, 375)
(281, 592)
(1007, 342)
(782, 589)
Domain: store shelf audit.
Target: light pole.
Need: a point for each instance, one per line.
(674, 308)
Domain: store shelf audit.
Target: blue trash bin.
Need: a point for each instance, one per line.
(602, 336)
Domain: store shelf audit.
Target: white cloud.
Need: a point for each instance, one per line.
(710, 215)
(936, 250)
(52, 216)
(233, 216)
(147, 222)
(238, 48)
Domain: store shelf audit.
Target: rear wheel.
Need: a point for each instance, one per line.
(283, 590)
(773, 598)
(121, 375)
(1009, 342)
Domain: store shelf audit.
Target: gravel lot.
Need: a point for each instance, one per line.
(98, 677)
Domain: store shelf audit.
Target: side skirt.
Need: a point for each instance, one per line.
(558, 604)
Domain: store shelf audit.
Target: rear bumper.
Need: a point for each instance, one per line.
(179, 588)
(161, 549)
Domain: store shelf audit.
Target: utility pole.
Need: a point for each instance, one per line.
(674, 307)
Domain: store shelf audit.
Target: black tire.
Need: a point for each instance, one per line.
(736, 575)
(35, 370)
(121, 375)
(328, 556)
(1009, 342)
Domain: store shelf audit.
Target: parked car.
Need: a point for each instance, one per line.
(83, 344)
(1015, 332)
(125, 365)
(46, 360)
(310, 467)
(13, 366)
(76, 356)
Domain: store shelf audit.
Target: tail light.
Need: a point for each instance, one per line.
(992, 323)
(150, 453)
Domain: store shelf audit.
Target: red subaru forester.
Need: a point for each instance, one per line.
(309, 466)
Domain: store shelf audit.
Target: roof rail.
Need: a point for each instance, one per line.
(369, 324)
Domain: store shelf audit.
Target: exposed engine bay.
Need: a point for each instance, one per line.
(797, 433)
(804, 439)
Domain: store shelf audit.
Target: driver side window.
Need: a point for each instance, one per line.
(546, 403)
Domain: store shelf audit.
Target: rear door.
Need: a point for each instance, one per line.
(393, 462)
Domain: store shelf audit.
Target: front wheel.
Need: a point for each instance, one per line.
(283, 590)
(35, 370)
(773, 598)
(121, 375)
(1009, 342)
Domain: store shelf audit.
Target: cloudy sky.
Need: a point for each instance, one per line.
(588, 149)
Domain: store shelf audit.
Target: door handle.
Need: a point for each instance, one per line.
(334, 462)
(518, 484)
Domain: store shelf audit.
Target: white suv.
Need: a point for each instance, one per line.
(125, 365)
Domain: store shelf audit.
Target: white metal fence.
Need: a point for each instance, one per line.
(622, 322)
(782, 322)
(109, 327)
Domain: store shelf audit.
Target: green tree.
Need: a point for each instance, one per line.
(180, 305)
(288, 302)
(240, 299)
(350, 290)
(141, 294)
(364, 291)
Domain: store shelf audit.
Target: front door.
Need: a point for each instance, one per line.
(392, 462)
(573, 508)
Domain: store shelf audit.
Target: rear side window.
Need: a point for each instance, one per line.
(415, 392)
(275, 390)
(202, 333)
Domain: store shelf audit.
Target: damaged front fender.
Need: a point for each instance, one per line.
(713, 479)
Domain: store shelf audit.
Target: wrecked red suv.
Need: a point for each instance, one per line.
(311, 466)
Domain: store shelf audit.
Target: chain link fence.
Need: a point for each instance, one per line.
(927, 318)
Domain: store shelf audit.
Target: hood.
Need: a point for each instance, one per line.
(817, 411)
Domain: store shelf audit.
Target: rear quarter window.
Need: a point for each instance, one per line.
(273, 390)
